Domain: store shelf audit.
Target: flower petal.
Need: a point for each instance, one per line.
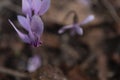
(62, 30)
(33, 63)
(79, 30)
(88, 19)
(24, 22)
(36, 6)
(37, 25)
(30, 2)
(23, 36)
(44, 6)
(26, 8)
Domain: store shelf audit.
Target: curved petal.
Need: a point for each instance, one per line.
(79, 30)
(88, 19)
(26, 8)
(62, 30)
(37, 25)
(23, 36)
(36, 6)
(24, 22)
(44, 6)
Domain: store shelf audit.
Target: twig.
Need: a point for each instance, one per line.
(13, 72)
(111, 10)
(102, 65)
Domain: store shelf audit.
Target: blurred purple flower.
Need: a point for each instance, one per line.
(33, 63)
(34, 26)
(38, 7)
(75, 27)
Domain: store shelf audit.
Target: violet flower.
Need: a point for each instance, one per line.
(37, 7)
(33, 63)
(32, 23)
(34, 28)
(75, 27)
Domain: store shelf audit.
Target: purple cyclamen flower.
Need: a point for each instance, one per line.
(75, 27)
(33, 63)
(38, 7)
(33, 26)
